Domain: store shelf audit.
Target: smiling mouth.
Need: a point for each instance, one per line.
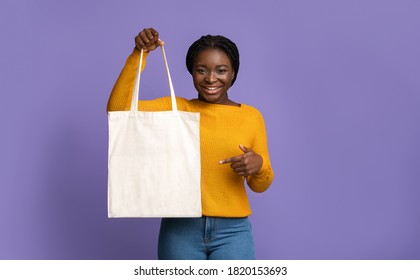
(212, 89)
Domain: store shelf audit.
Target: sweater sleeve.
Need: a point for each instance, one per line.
(122, 92)
(120, 98)
(263, 179)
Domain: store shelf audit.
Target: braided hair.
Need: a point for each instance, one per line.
(214, 42)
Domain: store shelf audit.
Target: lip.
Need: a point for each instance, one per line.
(211, 89)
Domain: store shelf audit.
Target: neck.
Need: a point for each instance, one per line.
(227, 101)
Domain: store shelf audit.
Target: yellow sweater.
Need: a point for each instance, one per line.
(222, 129)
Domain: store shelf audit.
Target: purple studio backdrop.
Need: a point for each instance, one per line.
(337, 82)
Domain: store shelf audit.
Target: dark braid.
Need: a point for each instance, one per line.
(214, 42)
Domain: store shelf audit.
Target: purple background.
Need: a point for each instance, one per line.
(337, 82)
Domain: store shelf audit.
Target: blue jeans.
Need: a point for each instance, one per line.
(206, 238)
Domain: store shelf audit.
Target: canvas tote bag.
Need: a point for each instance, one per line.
(154, 160)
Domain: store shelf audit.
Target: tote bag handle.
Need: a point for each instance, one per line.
(135, 97)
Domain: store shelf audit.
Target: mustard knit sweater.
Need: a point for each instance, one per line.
(222, 129)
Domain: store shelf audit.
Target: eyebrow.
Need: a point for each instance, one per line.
(202, 65)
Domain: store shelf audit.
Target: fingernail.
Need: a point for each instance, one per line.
(221, 161)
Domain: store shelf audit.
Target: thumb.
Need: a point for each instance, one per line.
(244, 149)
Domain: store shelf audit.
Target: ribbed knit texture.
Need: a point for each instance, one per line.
(222, 129)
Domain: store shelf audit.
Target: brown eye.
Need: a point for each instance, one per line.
(200, 71)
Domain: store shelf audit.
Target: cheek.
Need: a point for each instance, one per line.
(228, 78)
(195, 79)
(196, 82)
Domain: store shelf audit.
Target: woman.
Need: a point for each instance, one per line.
(233, 149)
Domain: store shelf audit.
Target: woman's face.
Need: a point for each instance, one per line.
(212, 76)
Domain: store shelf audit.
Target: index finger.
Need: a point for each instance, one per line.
(230, 160)
(154, 32)
(152, 35)
(156, 36)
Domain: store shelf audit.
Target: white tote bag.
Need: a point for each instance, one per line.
(154, 160)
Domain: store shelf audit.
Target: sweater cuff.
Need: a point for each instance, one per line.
(265, 172)
(136, 54)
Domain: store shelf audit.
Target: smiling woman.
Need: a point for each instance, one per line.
(213, 62)
(233, 149)
(212, 76)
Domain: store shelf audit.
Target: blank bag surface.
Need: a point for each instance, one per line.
(154, 160)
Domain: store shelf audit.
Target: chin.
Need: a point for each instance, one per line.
(210, 99)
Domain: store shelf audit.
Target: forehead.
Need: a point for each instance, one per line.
(212, 57)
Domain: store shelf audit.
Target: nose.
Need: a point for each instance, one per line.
(211, 77)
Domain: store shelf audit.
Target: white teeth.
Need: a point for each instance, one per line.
(211, 88)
